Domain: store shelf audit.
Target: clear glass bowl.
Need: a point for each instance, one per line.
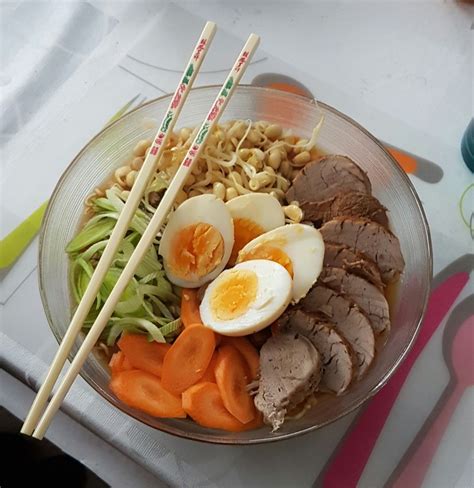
(339, 134)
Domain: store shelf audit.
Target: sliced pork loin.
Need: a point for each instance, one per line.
(259, 338)
(338, 364)
(290, 370)
(349, 320)
(370, 238)
(325, 177)
(339, 256)
(366, 296)
(346, 204)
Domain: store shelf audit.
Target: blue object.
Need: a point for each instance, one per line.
(467, 146)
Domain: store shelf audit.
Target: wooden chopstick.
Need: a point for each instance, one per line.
(150, 232)
(121, 226)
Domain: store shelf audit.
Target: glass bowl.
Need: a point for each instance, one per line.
(112, 147)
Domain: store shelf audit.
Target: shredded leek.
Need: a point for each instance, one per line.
(148, 304)
(93, 231)
(172, 329)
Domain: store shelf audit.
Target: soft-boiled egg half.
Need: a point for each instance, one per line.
(253, 215)
(246, 298)
(297, 247)
(197, 241)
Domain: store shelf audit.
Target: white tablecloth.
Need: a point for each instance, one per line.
(400, 69)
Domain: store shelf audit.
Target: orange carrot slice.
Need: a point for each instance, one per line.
(142, 354)
(188, 358)
(118, 362)
(232, 378)
(203, 403)
(255, 423)
(248, 351)
(190, 307)
(126, 364)
(210, 375)
(143, 391)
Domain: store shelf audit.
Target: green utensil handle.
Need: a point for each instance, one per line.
(12, 246)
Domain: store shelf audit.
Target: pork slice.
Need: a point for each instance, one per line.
(336, 354)
(370, 238)
(325, 177)
(366, 296)
(282, 321)
(346, 204)
(348, 319)
(339, 256)
(259, 338)
(290, 370)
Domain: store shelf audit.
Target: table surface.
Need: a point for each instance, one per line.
(402, 69)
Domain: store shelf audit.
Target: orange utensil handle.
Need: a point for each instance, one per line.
(407, 162)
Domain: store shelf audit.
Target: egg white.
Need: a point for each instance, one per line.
(206, 209)
(304, 245)
(260, 208)
(272, 297)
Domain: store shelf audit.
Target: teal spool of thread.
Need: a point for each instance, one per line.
(467, 146)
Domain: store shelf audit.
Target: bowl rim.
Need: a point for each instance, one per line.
(168, 429)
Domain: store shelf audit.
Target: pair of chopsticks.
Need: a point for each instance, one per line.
(37, 422)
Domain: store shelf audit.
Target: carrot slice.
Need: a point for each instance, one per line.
(248, 351)
(143, 391)
(118, 362)
(232, 378)
(188, 358)
(203, 403)
(126, 364)
(190, 307)
(209, 375)
(255, 423)
(142, 354)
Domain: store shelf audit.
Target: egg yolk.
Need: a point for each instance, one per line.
(196, 251)
(266, 251)
(245, 230)
(234, 294)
